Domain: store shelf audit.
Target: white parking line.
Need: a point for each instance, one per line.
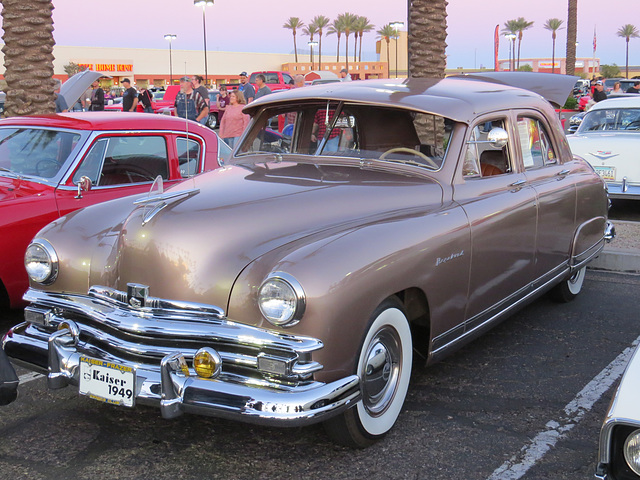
(27, 377)
(533, 452)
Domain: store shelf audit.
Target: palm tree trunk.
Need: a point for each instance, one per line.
(346, 50)
(28, 56)
(519, 43)
(295, 47)
(627, 60)
(338, 50)
(360, 52)
(320, 53)
(572, 32)
(427, 38)
(355, 47)
(388, 65)
(553, 54)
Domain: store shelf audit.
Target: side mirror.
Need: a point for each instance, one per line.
(498, 137)
(84, 185)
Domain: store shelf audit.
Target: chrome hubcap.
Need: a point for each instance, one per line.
(381, 371)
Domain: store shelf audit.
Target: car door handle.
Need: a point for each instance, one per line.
(563, 172)
(518, 183)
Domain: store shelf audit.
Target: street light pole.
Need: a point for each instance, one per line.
(204, 4)
(396, 26)
(511, 37)
(170, 37)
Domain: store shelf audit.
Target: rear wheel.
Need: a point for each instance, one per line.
(384, 368)
(569, 288)
(212, 121)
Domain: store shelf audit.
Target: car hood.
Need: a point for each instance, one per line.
(195, 248)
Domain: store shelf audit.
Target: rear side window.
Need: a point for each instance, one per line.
(125, 160)
(188, 156)
(535, 145)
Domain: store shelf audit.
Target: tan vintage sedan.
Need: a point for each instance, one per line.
(358, 225)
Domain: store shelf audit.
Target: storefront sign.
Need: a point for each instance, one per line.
(108, 67)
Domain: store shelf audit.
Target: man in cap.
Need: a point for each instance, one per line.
(129, 97)
(246, 88)
(189, 103)
(344, 75)
(599, 94)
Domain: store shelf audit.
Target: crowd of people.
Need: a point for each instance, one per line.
(192, 102)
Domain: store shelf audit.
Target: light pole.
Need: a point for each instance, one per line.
(204, 4)
(312, 44)
(171, 37)
(396, 26)
(511, 37)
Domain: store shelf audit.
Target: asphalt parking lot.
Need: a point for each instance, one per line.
(476, 415)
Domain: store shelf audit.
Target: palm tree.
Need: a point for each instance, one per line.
(293, 24)
(337, 28)
(572, 33)
(310, 30)
(362, 25)
(348, 23)
(28, 57)
(427, 38)
(511, 28)
(553, 25)
(320, 22)
(628, 31)
(522, 25)
(386, 32)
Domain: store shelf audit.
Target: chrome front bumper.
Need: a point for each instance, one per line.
(266, 377)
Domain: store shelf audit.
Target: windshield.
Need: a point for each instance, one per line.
(613, 119)
(351, 130)
(35, 151)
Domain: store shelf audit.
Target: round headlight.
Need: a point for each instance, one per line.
(281, 299)
(632, 451)
(41, 262)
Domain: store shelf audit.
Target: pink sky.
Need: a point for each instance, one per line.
(257, 26)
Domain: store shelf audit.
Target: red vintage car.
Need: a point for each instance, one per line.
(51, 165)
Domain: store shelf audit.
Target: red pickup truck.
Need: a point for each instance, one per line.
(274, 80)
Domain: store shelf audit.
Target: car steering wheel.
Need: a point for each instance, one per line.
(47, 162)
(410, 151)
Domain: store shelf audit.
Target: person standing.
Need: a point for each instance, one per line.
(246, 88)
(204, 93)
(599, 93)
(222, 101)
(189, 103)
(616, 89)
(61, 103)
(344, 75)
(129, 97)
(261, 83)
(96, 103)
(145, 98)
(234, 121)
(635, 88)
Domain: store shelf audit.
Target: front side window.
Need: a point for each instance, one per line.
(351, 130)
(125, 160)
(34, 151)
(535, 145)
(482, 159)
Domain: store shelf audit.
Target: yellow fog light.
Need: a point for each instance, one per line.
(207, 363)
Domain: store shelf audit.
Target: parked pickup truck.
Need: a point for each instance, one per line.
(274, 80)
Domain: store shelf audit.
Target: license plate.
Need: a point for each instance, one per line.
(606, 173)
(107, 381)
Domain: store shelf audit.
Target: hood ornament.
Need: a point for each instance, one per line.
(137, 295)
(157, 200)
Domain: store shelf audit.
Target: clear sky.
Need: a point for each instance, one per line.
(257, 26)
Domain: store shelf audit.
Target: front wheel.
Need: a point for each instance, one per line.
(212, 121)
(569, 288)
(384, 368)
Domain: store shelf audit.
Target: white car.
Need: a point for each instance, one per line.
(619, 448)
(608, 138)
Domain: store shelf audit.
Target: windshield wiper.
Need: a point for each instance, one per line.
(14, 174)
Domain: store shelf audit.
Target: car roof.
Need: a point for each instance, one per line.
(459, 98)
(107, 121)
(623, 101)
